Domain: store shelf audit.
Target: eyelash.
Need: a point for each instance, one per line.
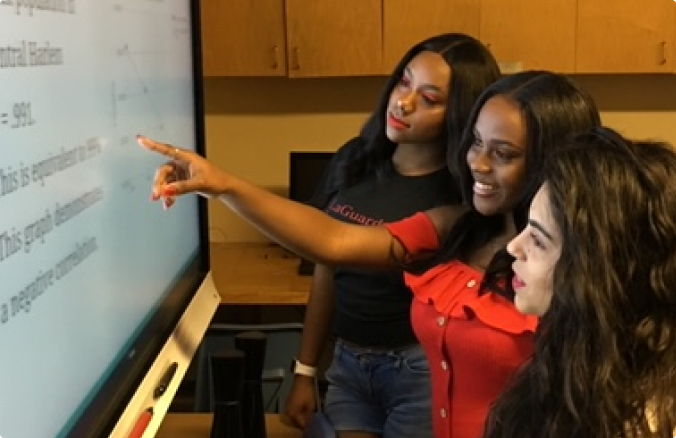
(500, 155)
(537, 242)
(429, 101)
(503, 156)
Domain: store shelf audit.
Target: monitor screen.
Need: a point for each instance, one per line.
(95, 277)
(306, 170)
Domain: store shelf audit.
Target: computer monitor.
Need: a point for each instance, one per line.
(306, 170)
(104, 295)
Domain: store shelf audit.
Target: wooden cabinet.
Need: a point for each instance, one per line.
(626, 36)
(298, 38)
(243, 38)
(301, 38)
(406, 22)
(530, 34)
(334, 37)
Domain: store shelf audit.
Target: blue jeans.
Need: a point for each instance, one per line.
(384, 392)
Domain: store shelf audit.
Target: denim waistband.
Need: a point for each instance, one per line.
(363, 349)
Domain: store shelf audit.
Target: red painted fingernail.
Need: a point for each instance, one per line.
(169, 191)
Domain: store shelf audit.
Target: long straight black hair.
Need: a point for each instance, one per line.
(553, 107)
(473, 68)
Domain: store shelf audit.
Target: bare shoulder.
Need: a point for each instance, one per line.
(445, 217)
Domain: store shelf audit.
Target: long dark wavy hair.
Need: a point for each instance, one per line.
(473, 68)
(553, 106)
(604, 364)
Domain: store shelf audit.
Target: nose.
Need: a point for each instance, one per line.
(406, 104)
(478, 161)
(515, 246)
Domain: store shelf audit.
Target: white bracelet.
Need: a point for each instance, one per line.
(304, 370)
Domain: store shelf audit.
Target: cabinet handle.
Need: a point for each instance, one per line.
(296, 61)
(663, 53)
(275, 57)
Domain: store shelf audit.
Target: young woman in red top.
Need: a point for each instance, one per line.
(462, 311)
(379, 378)
(597, 264)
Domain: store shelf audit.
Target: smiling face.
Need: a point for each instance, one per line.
(417, 106)
(497, 157)
(536, 249)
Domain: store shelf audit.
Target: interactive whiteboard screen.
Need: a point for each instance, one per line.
(86, 260)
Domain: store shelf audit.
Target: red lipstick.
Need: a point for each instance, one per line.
(396, 123)
(517, 283)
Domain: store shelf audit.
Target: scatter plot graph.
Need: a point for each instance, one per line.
(132, 93)
(80, 79)
(147, 84)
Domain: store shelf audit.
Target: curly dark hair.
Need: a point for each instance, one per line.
(604, 364)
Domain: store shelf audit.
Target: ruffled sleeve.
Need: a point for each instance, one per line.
(416, 233)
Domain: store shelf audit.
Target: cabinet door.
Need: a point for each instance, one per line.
(530, 34)
(625, 36)
(334, 37)
(243, 37)
(407, 22)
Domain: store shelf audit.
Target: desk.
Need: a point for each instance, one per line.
(258, 274)
(190, 425)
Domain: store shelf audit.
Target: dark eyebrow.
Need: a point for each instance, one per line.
(542, 229)
(510, 145)
(500, 142)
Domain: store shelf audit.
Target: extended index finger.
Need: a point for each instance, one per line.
(154, 146)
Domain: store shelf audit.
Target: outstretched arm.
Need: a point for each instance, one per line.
(302, 229)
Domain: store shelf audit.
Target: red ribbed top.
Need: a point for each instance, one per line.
(473, 342)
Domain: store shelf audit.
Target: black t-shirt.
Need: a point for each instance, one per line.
(373, 307)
